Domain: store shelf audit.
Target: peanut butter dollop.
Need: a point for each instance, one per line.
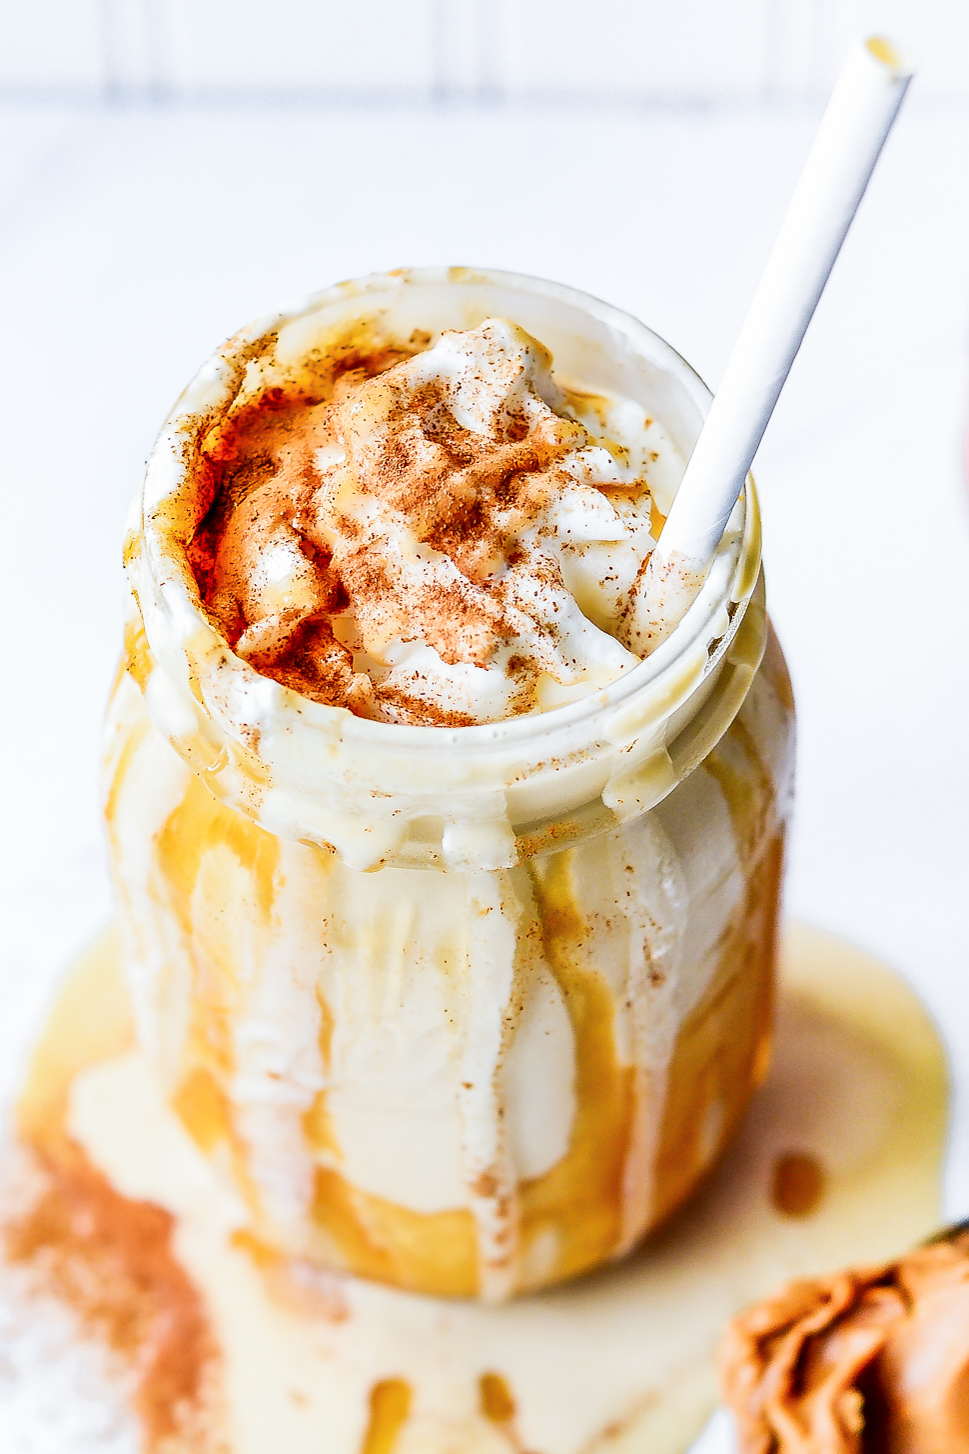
(871, 1361)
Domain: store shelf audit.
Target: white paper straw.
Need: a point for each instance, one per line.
(858, 118)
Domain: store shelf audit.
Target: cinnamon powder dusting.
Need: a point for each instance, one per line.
(111, 1261)
(419, 511)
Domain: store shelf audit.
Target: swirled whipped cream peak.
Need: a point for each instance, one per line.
(445, 536)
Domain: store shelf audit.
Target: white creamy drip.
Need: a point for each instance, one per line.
(655, 905)
(157, 958)
(494, 909)
(276, 1041)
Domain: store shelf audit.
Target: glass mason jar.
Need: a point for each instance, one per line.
(465, 1010)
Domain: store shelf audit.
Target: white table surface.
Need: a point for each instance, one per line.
(132, 242)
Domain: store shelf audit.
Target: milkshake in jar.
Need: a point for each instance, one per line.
(448, 871)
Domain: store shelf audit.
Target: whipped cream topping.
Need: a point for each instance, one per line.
(447, 538)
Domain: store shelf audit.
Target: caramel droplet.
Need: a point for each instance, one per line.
(497, 1403)
(389, 1407)
(798, 1184)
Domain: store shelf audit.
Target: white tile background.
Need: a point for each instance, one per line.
(634, 51)
(172, 168)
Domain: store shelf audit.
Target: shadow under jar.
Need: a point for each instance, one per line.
(467, 1010)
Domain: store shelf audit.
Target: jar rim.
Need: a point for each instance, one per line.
(734, 573)
(317, 773)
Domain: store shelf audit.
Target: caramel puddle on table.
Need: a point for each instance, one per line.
(838, 1162)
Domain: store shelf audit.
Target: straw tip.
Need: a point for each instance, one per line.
(889, 55)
